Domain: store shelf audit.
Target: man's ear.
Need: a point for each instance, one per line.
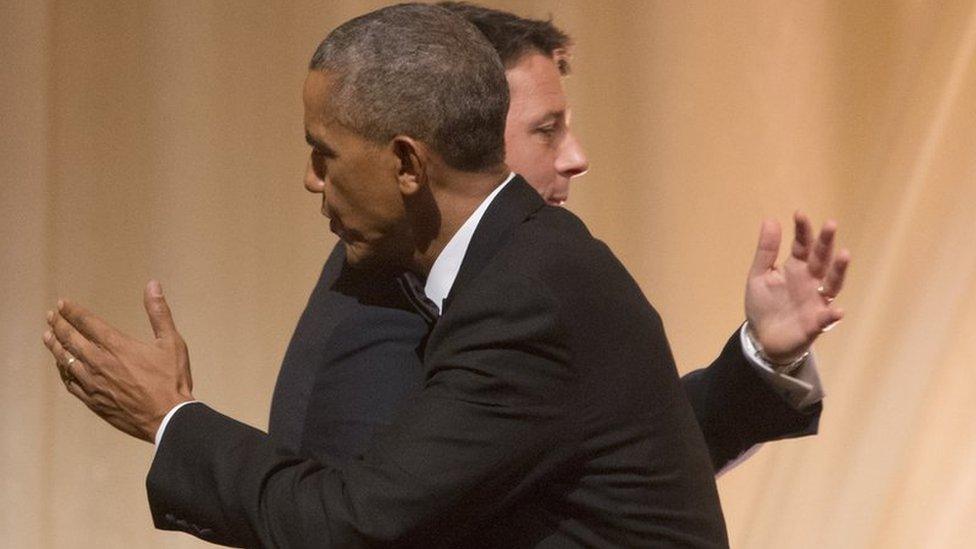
(412, 164)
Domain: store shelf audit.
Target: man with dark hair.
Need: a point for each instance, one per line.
(550, 412)
(353, 359)
(514, 36)
(529, 416)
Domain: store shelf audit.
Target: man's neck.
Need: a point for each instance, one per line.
(457, 195)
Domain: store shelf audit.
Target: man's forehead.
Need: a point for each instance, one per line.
(318, 80)
(317, 90)
(534, 70)
(317, 100)
(536, 88)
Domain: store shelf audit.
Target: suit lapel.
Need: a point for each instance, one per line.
(513, 205)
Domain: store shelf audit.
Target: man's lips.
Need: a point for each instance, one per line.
(334, 224)
(336, 227)
(345, 234)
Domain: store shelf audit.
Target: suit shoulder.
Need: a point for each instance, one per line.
(554, 240)
(559, 254)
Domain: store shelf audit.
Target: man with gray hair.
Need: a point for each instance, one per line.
(352, 360)
(551, 413)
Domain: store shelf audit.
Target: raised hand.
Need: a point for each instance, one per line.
(129, 383)
(789, 306)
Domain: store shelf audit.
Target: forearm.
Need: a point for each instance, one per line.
(448, 460)
(737, 409)
(225, 482)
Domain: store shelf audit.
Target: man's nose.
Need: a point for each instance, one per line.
(572, 160)
(313, 183)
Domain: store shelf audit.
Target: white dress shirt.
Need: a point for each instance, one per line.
(445, 269)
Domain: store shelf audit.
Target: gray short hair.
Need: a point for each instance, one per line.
(422, 71)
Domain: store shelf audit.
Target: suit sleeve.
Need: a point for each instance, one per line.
(489, 421)
(736, 409)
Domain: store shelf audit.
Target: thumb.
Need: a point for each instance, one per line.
(767, 249)
(159, 314)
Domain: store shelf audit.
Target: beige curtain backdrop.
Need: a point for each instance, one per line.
(164, 139)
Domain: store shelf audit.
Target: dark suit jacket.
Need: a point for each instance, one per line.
(351, 364)
(355, 358)
(550, 415)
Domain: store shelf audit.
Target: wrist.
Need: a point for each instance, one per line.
(158, 420)
(783, 364)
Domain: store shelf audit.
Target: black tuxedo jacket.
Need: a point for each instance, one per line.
(351, 364)
(355, 357)
(550, 415)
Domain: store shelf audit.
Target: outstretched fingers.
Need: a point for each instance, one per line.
(823, 250)
(73, 341)
(71, 369)
(802, 236)
(160, 316)
(89, 325)
(834, 281)
(767, 249)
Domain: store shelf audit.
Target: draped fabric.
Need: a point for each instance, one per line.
(164, 139)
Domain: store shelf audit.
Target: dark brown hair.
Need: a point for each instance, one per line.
(513, 36)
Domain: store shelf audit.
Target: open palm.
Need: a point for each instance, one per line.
(789, 306)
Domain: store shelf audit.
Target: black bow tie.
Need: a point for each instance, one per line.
(413, 289)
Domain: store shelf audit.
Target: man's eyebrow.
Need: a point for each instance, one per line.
(550, 116)
(318, 145)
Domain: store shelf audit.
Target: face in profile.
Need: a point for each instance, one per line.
(357, 180)
(539, 144)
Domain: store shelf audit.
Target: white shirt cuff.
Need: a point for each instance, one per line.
(802, 388)
(167, 417)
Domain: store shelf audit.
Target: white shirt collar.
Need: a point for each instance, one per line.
(448, 263)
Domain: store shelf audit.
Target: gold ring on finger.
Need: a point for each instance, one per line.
(823, 293)
(68, 378)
